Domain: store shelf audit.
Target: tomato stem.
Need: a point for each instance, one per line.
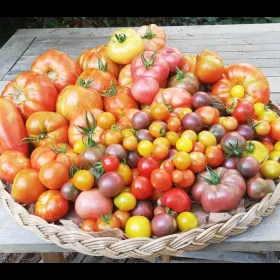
(110, 92)
(121, 37)
(99, 168)
(90, 143)
(234, 151)
(106, 218)
(148, 63)
(59, 149)
(73, 170)
(83, 83)
(101, 66)
(180, 74)
(149, 34)
(41, 136)
(215, 178)
(250, 148)
(90, 128)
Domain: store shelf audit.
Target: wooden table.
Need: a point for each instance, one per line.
(255, 44)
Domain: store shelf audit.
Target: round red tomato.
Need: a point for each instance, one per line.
(188, 179)
(209, 115)
(173, 57)
(161, 180)
(141, 188)
(51, 206)
(110, 163)
(11, 163)
(146, 165)
(199, 162)
(31, 92)
(149, 64)
(168, 166)
(215, 156)
(61, 69)
(244, 111)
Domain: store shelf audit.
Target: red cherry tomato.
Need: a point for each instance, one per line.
(161, 180)
(146, 165)
(141, 188)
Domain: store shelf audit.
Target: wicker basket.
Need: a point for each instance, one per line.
(75, 239)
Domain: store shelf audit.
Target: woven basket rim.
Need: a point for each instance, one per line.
(118, 248)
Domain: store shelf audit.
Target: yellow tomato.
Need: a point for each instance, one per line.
(125, 201)
(184, 144)
(238, 91)
(270, 169)
(125, 172)
(275, 156)
(172, 137)
(145, 148)
(125, 45)
(138, 226)
(189, 134)
(207, 138)
(183, 112)
(277, 146)
(268, 116)
(182, 160)
(259, 108)
(162, 141)
(221, 119)
(79, 147)
(187, 221)
(262, 128)
(127, 132)
(83, 180)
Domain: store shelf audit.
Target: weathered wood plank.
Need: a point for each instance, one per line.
(2, 85)
(11, 52)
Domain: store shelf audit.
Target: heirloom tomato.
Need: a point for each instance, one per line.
(107, 222)
(209, 115)
(189, 64)
(125, 78)
(173, 57)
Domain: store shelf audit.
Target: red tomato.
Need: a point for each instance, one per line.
(46, 128)
(31, 92)
(177, 200)
(173, 56)
(188, 179)
(275, 129)
(11, 163)
(199, 162)
(168, 165)
(244, 111)
(61, 69)
(149, 64)
(161, 180)
(141, 188)
(198, 147)
(209, 115)
(12, 129)
(209, 67)
(156, 195)
(51, 206)
(110, 163)
(215, 156)
(146, 165)
(144, 90)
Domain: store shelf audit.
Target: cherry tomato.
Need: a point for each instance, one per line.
(177, 176)
(141, 188)
(145, 148)
(130, 143)
(168, 165)
(138, 226)
(259, 109)
(146, 165)
(268, 116)
(161, 180)
(182, 160)
(79, 147)
(215, 156)
(243, 111)
(107, 222)
(188, 179)
(161, 152)
(161, 141)
(125, 201)
(209, 115)
(156, 195)
(184, 112)
(207, 138)
(123, 216)
(172, 137)
(189, 134)
(270, 169)
(199, 162)
(110, 163)
(135, 173)
(113, 136)
(106, 120)
(187, 221)
(89, 225)
(174, 124)
(263, 128)
(277, 146)
(268, 145)
(198, 147)
(127, 132)
(275, 156)
(125, 172)
(230, 123)
(275, 129)
(238, 91)
(83, 180)
(160, 112)
(157, 130)
(184, 144)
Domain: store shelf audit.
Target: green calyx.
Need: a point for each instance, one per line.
(83, 83)
(215, 178)
(73, 170)
(112, 91)
(41, 136)
(101, 66)
(121, 37)
(180, 74)
(149, 34)
(150, 62)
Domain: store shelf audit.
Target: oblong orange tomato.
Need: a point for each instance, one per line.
(97, 79)
(98, 58)
(46, 128)
(74, 99)
(11, 163)
(27, 187)
(118, 100)
(251, 78)
(125, 78)
(31, 92)
(12, 128)
(61, 69)
(61, 152)
(87, 120)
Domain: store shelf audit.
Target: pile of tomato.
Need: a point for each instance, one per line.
(133, 133)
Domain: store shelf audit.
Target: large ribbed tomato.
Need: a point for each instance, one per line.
(98, 58)
(31, 92)
(118, 99)
(46, 128)
(253, 81)
(62, 69)
(74, 99)
(12, 129)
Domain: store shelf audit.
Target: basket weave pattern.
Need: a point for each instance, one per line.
(116, 248)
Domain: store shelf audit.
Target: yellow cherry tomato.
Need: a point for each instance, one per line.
(184, 144)
(277, 146)
(138, 226)
(172, 137)
(262, 128)
(207, 138)
(130, 143)
(145, 148)
(125, 171)
(162, 141)
(259, 108)
(184, 112)
(187, 221)
(79, 147)
(238, 91)
(125, 201)
(230, 123)
(275, 156)
(270, 169)
(83, 180)
(182, 160)
(157, 130)
(106, 120)
(127, 132)
(268, 116)
(124, 45)
(221, 119)
(189, 134)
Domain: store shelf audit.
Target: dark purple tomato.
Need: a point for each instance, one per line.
(233, 144)
(96, 174)
(163, 224)
(111, 184)
(91, 156)
(246, 131)
(193, 122)
(141, 120)
(216, 102)
(201, 99)
(219, 132)
(117, 150)
(69, 191)
(143, 208)
(133, 159)
(231, 163)
(144, 134)
(248, 167)
(257, 188)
